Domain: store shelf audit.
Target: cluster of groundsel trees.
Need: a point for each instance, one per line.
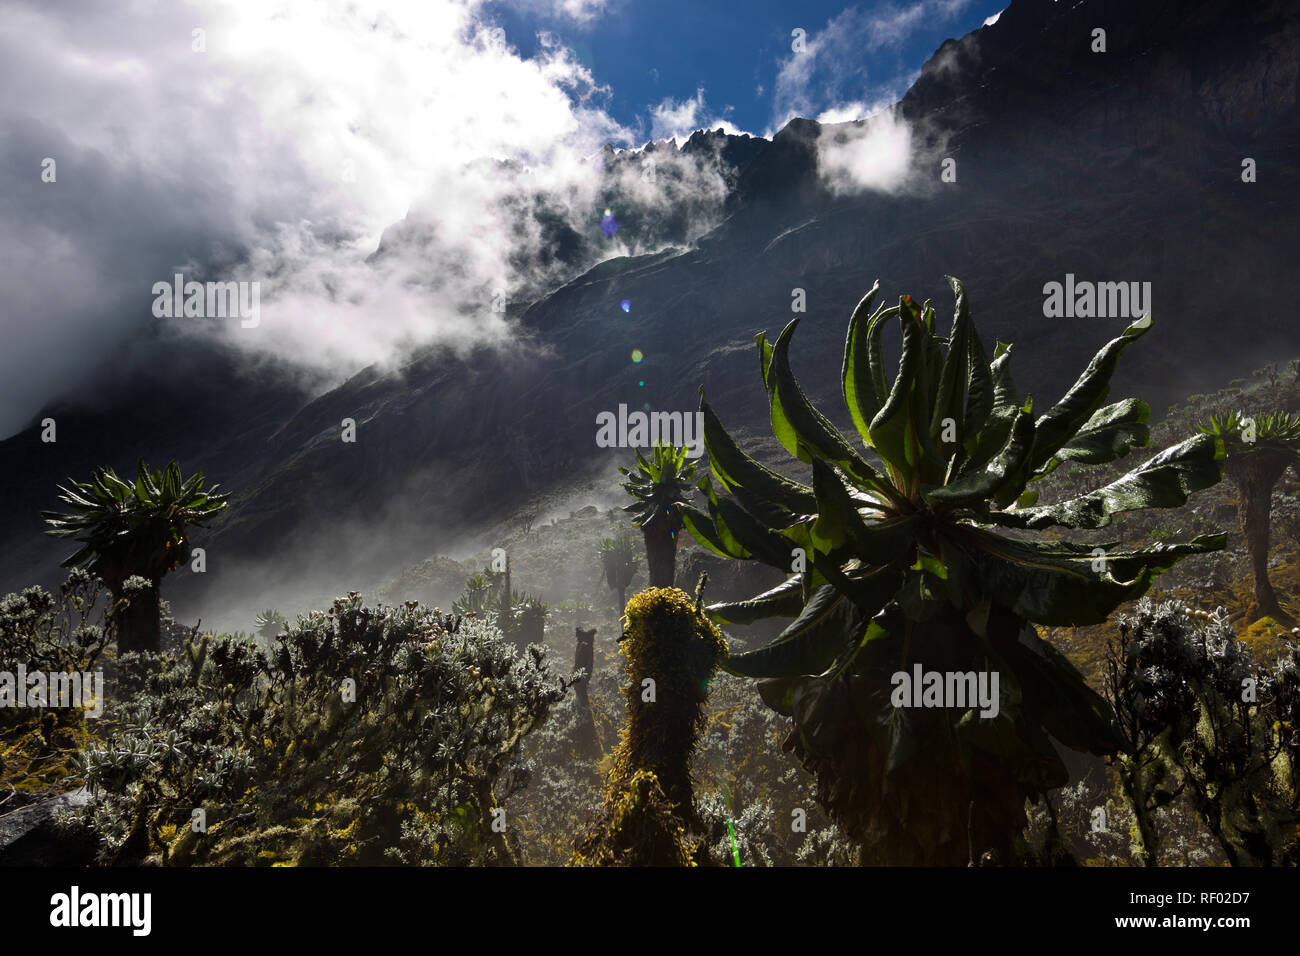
(915, 546)
(917, 550)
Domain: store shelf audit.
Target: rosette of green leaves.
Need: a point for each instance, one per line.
(903, 536)
(138, 527)
(660, 485)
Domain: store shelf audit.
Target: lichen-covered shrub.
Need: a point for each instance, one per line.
(41, 631)
(1202, 719)
(649, 816)
(51, 634)
(362, 736)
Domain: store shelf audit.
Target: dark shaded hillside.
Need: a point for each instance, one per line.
(1123, 166)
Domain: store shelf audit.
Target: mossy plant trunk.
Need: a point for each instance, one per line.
(649, 816)
(584, 658)
(139, 622)
(1255, 474)
(660, 552)
(1144, 837)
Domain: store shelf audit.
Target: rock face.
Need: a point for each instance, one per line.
(28, 836)
(1119, 166)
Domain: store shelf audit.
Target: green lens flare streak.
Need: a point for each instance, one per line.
(734, 851)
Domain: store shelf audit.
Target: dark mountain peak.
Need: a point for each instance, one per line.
(734, 151)
(1237, 62)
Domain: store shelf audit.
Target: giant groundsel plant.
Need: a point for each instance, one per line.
(913, 550)
(134, 529)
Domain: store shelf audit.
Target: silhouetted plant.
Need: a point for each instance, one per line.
(584, 659)
(134, 530)
(1259, 449)
(520, 617)
(618, 562)
(660, 487)
(270, 623)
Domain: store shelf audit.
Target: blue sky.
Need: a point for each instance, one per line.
(684, 62)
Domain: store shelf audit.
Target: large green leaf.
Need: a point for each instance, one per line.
(1061, 584)
(863, 393)
(759, 541)
(733, 468)
(784, 600)
(808, 646)
(1164, 481)
(923, 391)
(717, 529)
(703, 530)
(870, 590)
(839, 522)
(950, 403)
(923, 593)
(1004, 389)
(892, 432)
(1004, 477)
(980, 388)
(1057, 695)
(966, 391)
(1111, 433)
(803, 430)
(1018, 743)
(900, 738)
(984, 446)
(764, 357)
(765, 511)
(1063, 421)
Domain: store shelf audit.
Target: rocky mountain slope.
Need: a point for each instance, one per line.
(1123, 166)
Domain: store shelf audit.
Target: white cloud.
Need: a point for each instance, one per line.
(873, 154)
(234, 159)
(994, 19)
(838, 65)
(581, 12)
(680, 118)
(844, 113)
(676, 117)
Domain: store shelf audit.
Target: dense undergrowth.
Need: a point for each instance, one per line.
(393, 733)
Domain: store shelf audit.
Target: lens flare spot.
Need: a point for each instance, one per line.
(641, 383)
(609, 225)
(637, 356)
(625, 305)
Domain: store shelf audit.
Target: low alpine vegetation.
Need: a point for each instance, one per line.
(363, 736)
